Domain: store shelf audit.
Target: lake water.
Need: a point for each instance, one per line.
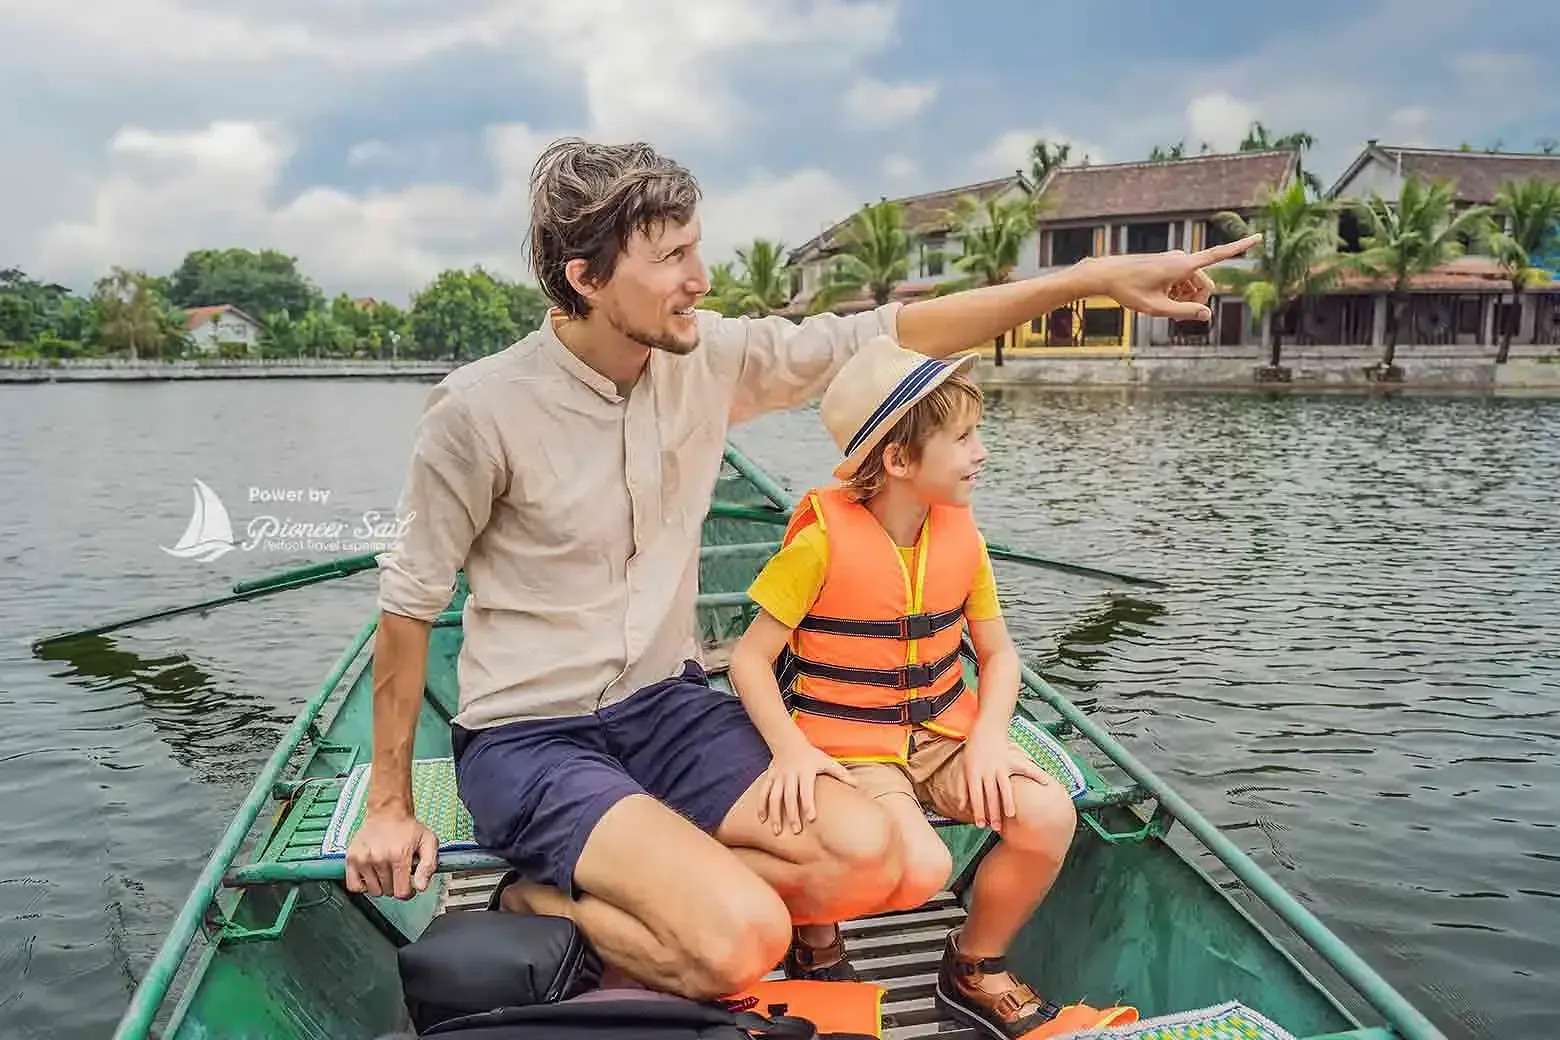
(1355, 670)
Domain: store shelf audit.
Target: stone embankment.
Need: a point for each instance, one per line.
(102, 370)
(1530, 369)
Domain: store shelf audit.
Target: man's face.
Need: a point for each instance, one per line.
(659, 279)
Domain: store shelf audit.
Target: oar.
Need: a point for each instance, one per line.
(764, 514)
(244, 590)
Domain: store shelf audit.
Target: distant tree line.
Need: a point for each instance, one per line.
(132, 314)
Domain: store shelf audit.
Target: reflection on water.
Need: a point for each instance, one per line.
(1354, 669)
(204, 723)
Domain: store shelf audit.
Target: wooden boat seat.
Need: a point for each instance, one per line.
(324, 812)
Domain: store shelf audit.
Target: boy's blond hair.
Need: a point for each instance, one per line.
(947, 403)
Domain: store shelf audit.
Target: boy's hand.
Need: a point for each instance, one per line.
(991, 761)
(787, 796)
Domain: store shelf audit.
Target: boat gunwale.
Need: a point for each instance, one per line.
(152, 990)
(1399, 1014)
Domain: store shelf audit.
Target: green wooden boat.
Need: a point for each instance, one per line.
(270, 944)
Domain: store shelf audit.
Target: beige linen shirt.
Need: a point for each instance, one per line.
(576, 512)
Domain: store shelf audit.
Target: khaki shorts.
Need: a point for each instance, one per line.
(934, 776)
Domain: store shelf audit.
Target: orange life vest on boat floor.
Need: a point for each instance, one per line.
(852, 1009)
(855, 1009)
(878, 653)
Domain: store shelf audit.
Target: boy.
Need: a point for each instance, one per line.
(866, 601)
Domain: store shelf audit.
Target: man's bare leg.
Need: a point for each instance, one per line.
(667, 905)
(843, 864)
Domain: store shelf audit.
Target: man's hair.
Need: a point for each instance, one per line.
(948, 402)
(587, 200)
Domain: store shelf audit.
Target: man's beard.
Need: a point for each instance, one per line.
(652, 340)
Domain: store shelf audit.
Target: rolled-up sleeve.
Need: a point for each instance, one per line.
(456, 472)
(786, 364)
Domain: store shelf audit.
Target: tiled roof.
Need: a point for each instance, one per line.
(198, 316)
(1465, 274)
(1201, 184)
(922, 213)
(1479, 175)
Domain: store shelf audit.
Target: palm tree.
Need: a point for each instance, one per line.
(875, 257)
(1524, 219)
(1259, 139)
(724, 290)
(1298, 255)
(992, 234)
(1045, 157)
(1411, 237)
(764, 286)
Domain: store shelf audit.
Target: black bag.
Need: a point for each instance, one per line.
(495, 975)
(625, 1018)
(476, 961)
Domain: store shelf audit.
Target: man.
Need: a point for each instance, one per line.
(569, 475)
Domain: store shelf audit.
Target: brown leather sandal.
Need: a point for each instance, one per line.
(802, 961)
(1006, 1015)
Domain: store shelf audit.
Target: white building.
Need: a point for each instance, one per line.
(211, 328)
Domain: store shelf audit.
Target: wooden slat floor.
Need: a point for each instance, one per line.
(897, 951)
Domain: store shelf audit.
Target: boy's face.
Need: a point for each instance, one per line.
(951, 461)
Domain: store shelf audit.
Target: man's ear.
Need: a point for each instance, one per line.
(579, 280)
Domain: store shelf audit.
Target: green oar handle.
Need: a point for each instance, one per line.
(338, 568)
(296, 578)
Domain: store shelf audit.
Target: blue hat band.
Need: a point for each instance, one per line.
(909, 387)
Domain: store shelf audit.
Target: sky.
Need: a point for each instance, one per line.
(381, 142)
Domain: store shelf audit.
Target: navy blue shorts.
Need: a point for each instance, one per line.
(536, 789)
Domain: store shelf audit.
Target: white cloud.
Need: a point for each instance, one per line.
(228, 145)
(644, 67)
(1010, 151)
(873, 104)
(168, 193)
(1219, 119)
(366, 153)
(1422, 86)
(791, 208)
(897, 167)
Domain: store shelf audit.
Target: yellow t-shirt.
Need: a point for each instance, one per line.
(789, 583)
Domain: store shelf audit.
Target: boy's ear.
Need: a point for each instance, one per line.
(896, 461)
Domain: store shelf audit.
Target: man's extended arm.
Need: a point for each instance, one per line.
(785, 364)
(1162, 284)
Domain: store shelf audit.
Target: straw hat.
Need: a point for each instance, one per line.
(873, 390)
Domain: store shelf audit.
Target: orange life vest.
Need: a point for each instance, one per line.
(853, 1009)
(876, 655)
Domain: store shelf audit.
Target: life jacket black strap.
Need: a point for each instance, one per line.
(907, 677)
(911, 626)
(911, 712)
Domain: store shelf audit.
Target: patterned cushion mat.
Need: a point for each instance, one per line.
(434, 801)
(437, 804)
(1231, 1021)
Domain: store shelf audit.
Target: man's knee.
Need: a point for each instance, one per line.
(1045, 821)
(741, 936)
(927, 866)
(854, 832)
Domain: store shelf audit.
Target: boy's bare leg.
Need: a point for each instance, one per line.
(1015, 876)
